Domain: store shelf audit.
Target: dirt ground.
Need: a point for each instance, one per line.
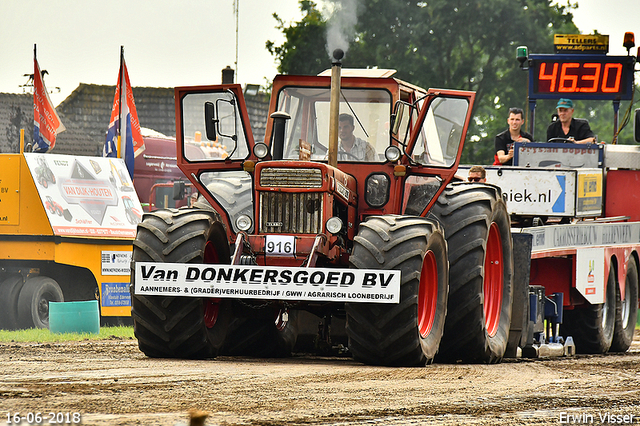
(112, 383)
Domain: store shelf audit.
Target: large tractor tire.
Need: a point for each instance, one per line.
(261, 333)
(33, 302)
(408, 333)
(180, 327)
(592, 326)
(626, 310)
(9, 292)
(478, 233)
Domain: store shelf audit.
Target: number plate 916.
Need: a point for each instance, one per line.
(280, 245)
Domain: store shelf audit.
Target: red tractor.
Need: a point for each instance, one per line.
(367, 230)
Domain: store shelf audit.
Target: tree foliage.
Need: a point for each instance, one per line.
(459, 44)
(302, 53)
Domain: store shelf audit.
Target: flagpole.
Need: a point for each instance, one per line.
(35, 70)
(121, 79)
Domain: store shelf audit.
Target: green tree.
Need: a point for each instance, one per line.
(461, 44)
(299, 54)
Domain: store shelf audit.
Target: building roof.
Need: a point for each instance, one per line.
(87, 110)
(16, 112)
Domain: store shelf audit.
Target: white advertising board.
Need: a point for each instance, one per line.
(116, 262)
(530, 192)
(557, 155)
(267, 282)
(86, 196)
(590, 274)
(578, 235)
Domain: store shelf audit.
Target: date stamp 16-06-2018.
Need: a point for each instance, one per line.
(43, 418)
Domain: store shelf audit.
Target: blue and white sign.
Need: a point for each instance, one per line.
(534, 192)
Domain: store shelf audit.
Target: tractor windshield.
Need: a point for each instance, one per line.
(363, 130)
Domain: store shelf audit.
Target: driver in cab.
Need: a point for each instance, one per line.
(351, 147)
(574, 130)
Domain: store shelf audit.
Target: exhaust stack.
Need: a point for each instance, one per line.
(334, 109)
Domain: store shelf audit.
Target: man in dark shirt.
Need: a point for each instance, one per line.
(576, 130)
(504, 141)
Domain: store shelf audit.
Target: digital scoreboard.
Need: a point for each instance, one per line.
(577, 76)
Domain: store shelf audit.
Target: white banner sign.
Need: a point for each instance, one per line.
(267, 282)
(86, 196)
(116, 262)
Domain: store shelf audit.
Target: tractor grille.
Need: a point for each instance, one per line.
(291, 178)
(283, 212)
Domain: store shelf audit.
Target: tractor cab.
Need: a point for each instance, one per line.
(282, 193)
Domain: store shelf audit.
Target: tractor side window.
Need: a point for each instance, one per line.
(441, 134)
(229, 139)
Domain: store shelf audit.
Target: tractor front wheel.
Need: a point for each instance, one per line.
(180, 327)
(407, 333)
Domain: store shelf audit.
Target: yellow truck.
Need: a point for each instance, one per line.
(67, 225)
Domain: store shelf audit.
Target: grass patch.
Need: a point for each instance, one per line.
(44, 335)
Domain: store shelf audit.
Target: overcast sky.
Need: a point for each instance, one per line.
(175, 43)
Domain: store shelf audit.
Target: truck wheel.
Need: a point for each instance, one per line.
(180, 327)
(478, 233)
(9, 293)
(592, 326)
(626, 310)
(261, 333)
(33, 302)
(407, 333)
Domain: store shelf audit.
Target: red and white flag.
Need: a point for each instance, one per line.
(124, 137)
(47, 124)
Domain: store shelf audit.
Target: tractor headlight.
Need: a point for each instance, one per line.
(334, 225)
(243, 222)
(260, 150)
(392, 153)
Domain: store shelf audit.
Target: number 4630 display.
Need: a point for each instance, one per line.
(576, 76)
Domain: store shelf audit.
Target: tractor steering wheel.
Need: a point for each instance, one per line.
(561, 140)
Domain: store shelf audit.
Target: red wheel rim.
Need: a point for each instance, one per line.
(211, 310)
(493, 280)
(210, 253)
(212, 306)
(427, 294)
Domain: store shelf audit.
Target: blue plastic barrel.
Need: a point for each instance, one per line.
(74, 317)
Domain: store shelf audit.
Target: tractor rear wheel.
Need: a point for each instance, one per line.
(592, 326)
(407, 333)
(180, 327)
(626, 310)
(478, 233)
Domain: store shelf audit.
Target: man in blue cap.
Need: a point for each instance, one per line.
(576, 130)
